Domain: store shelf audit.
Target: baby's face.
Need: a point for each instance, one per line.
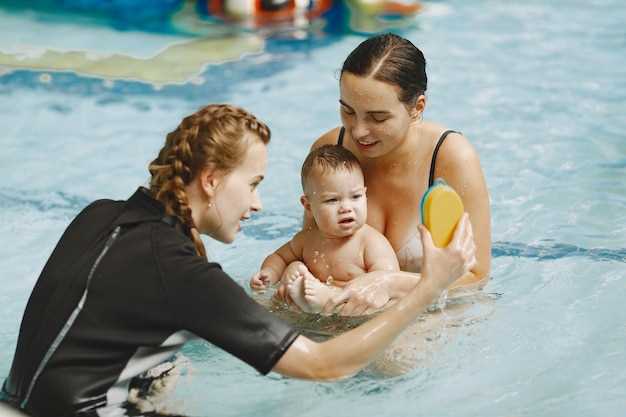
(338, 201)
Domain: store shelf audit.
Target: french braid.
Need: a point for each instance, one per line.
(214, 135)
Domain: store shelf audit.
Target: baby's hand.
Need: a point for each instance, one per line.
(260, 280)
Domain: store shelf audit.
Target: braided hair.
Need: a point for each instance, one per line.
(214, 135)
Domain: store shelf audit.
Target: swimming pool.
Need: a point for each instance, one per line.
(540, 89)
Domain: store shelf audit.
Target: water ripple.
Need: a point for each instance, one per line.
(44, 201)
(271, 226)
(265, 228)
(555, 251)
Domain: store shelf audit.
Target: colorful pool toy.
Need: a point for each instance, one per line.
(441, 208)
(387, 7)
(268, 11)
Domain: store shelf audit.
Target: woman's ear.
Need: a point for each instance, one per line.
(417, 111)
(304, 200)
(210, 179)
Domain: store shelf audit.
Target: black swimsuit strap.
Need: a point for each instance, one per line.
(431, 177)
(444, 135)
(340, 138)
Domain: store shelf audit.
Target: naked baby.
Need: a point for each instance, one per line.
(318, 261)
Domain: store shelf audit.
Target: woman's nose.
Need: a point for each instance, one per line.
(256, 205)
(359, 130)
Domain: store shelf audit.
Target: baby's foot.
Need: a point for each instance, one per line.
(316, 294)
(296, 290)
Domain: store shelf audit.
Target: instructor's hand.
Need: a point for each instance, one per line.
(443, 266)
(363, 295)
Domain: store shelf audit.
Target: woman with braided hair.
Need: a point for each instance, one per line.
(129, 282)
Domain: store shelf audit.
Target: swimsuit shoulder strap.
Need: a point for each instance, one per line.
(444, 135)
(340, 138)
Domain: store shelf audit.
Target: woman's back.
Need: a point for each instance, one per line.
(148, 292)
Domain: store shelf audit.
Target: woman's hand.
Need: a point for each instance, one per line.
(443, 266)
(363, 295)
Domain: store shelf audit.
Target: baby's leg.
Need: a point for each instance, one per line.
(317, 294)
(293, 279)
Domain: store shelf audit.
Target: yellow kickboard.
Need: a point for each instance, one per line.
(441, 209)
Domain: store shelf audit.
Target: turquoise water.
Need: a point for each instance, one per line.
(539, 89)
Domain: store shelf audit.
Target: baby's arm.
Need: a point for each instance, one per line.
(274, 265)
(378, 254)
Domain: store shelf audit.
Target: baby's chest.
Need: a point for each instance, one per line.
(341, 265)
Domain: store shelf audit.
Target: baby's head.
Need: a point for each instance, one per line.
(334, 190)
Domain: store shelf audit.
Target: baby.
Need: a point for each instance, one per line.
(317, 262)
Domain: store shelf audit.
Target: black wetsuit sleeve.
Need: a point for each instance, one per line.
(207, 302)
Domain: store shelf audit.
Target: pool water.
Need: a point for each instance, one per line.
(540, 90)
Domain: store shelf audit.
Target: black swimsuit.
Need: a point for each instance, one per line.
(431, 177)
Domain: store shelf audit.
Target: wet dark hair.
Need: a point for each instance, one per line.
(392, 59)
(328, 157)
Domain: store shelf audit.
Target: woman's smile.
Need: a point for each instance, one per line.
(366, 145)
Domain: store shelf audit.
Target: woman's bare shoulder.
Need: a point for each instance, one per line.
(457, 151)
(328, 138)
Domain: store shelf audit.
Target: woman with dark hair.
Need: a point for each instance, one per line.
(382, 101)
(129, 282)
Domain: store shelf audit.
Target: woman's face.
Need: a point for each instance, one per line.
(372, 114)
(236, 196)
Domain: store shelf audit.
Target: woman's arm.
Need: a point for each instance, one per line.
(459, 164)
(349, 352)
(345, 355)
(372, 291)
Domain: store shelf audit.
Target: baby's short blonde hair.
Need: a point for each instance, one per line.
(328, 157)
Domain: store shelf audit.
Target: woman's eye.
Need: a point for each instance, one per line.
(379, 119)
(347, 111)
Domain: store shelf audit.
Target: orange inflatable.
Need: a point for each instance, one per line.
(268, 11)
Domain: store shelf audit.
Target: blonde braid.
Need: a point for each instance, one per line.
(214, 135)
